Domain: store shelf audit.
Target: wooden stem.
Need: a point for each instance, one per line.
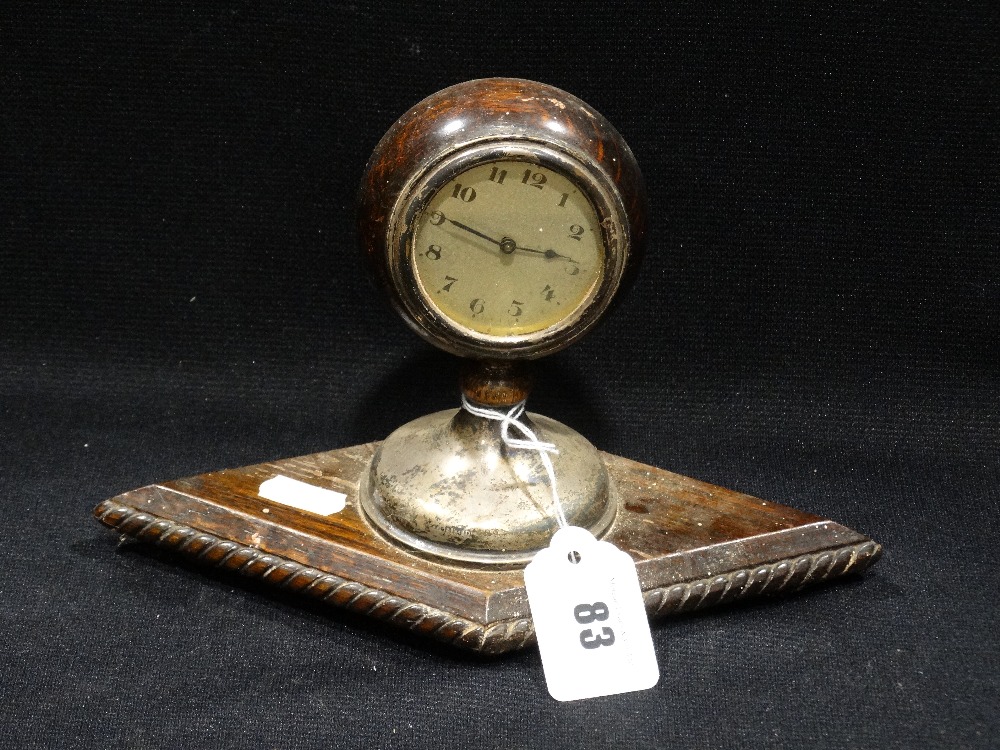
(495, 383)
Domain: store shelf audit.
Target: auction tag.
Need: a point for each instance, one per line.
(302, 495)
(591, 624)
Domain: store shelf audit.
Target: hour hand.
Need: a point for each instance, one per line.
(550, 253)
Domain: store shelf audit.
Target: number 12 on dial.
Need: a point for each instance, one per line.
(590, 621)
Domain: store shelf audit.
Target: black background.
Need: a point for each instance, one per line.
(816, 323)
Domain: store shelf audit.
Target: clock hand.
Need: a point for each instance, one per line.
(550, 253)
(476, 232)
(507, 245)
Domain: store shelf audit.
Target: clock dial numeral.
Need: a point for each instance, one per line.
(437, 218)
(515, 309)
(548, 293)
(451, 281)
(497, 175)
(434, 252)
(572, 269)
(562, 201)
(467, 194)
(537, 179)
(575, 232)
(477, 306)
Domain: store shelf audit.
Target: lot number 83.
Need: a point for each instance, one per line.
(586, 614)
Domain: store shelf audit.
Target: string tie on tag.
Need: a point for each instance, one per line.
(512, 418)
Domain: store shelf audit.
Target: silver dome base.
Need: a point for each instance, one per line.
(445, 485)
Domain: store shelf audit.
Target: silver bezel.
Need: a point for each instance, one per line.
(428, 321)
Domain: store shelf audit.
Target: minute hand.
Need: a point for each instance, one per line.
(476, 232)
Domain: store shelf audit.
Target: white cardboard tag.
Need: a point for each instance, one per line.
(591, 624)
(302, 495)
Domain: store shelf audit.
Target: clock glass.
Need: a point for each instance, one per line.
(508, 248)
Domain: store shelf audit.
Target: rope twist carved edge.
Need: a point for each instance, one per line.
(769, 579)
(783, 576)
(291, 576)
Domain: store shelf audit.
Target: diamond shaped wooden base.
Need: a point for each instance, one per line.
(694, 544)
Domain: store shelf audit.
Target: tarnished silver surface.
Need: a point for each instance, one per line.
(446, 485)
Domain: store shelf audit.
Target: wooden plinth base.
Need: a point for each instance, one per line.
(694, 544)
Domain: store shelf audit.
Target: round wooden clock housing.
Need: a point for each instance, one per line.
(502, 217)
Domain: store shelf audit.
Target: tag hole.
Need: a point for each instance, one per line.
(573, 557)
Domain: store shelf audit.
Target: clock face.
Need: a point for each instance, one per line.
(508, 248)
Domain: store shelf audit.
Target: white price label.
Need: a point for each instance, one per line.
(302, 495)
(591, 624)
